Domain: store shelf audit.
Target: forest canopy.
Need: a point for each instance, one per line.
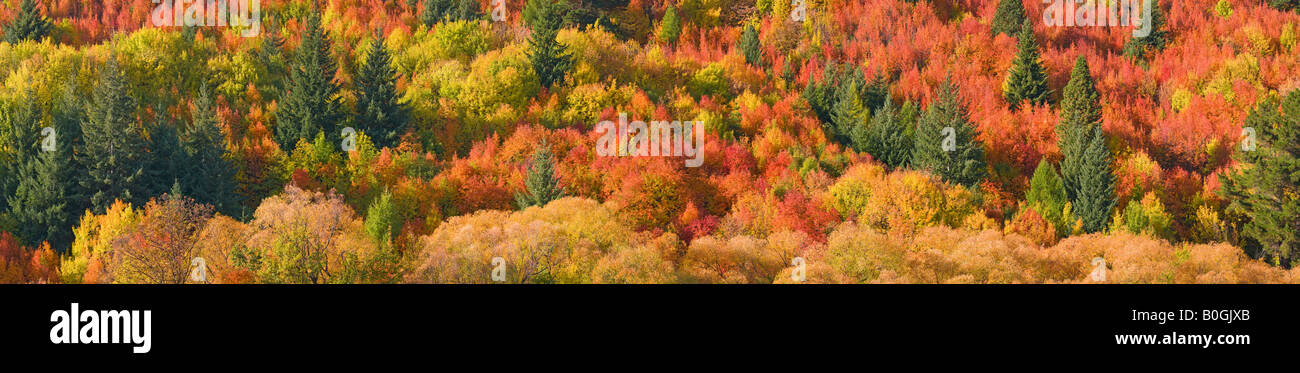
(456, 141)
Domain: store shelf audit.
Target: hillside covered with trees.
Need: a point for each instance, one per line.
(458, 141)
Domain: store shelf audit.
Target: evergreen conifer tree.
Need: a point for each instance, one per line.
(1027, 80)
(671, 26)
(542, 185)
(1096, 197)
(28, 24)
(749, 46)
(947, 142)
(1140, 47)
(1047, 195)
(887, 138)
(113, 144)
(847, 114)
(1080, 111)
(550, 60)
(311, 103)
(381, 114)
(1262, 194)
(208, 177)
(1008, 18)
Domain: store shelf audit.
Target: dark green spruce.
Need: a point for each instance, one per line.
(947, 143)
(888, 138)
(1086, 160)
(209, 175)
(749, 46)
(542, 184)
(1264, 194)
(113, 152)
(28, 24)
(1008, 17)
(381, 114)
(551, 61)
(310, 102)
(1027, 79)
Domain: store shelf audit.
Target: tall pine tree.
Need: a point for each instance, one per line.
(381, 114)
(1047, 196)
(946, 141)
(1283, 4)
(1008, 18)
(671, 26)
(824, 95)
(550, 60)
(820, 94)
(272, 55)
(1080, 111)
(542, 185)
(1140, 47)
(112, 153)
(209, 176)
(1264, 193)
(382, 222)
(1096, 196)
(69, 112)
(1086, 160)
(888, 138)
(311, 103)
(39, 204)
(21, 141)
(165, 155)
(847, 114)
(42, 206)
(449, 10)
(1027, 80)
(749, 46)
(28, 24)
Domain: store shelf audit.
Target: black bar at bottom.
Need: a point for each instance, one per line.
(421, 322)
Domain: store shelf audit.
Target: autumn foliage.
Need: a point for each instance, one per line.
(783, 181)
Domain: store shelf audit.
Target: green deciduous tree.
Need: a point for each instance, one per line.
(1264, 193)
(311, 104)
(380, 113)
(28, 24)
(1027, 79)
(542, 185)
(946, 141)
